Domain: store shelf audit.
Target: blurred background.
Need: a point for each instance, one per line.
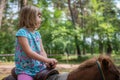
(70, 28)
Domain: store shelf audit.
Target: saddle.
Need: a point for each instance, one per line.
(43, 75)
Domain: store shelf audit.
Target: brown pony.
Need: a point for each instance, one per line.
(101, 68)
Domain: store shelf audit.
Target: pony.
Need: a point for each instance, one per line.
(96, 68)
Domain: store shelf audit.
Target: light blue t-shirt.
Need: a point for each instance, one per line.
(23, 63)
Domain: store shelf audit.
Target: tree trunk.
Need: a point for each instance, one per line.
(100, 47)
(73, 22)
(92, 46)
(109, 47)
(116, 43)
(2, 6)
(77, 46)
(82, 24)
(23, 3)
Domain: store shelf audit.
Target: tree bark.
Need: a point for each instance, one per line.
(23, 3)
(109, 47)
(2, 6)
(73, 22)
(100, 47)
(82, 24)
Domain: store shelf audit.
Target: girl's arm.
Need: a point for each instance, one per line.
(32, 54)
(42, 52)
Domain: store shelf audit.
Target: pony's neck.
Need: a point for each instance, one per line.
(86, 71)
(85, 74)
(73, 75)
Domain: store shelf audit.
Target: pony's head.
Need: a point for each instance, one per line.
(109, 70)
(101, 68)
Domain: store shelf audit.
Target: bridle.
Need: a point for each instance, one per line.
(100, 70)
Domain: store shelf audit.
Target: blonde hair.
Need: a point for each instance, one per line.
(28, 15)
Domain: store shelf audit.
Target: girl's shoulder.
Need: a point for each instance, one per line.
(22, 32)
(38, 33)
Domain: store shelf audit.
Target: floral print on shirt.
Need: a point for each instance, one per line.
(23, 63)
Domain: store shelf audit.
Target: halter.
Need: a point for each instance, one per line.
(100, 70)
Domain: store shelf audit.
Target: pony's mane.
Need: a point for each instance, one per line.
(88, 63)
(91, 62)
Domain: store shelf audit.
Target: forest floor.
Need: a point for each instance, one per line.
(5, 68)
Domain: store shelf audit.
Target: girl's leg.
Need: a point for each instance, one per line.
(24, 77)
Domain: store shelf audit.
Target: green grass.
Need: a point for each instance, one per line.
(74, 59)
(116, 59)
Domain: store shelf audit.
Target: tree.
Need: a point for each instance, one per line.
(2, 6)
(23, 3)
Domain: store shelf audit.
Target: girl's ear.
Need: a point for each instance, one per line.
(105, 64)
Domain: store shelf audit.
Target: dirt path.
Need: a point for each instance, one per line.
(5, 68)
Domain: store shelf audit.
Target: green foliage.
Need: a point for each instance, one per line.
(7, 42)
(98, 24)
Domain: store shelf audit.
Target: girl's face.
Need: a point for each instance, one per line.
(39, 20)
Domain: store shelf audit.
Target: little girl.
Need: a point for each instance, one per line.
(30, 56)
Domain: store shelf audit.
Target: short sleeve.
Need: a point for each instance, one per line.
(22, 32)
(38, 34)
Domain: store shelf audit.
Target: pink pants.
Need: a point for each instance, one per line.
(24, 77)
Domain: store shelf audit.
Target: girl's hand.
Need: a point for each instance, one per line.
(51, 63)
(49, 66)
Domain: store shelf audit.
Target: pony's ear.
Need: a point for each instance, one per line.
(105, 64)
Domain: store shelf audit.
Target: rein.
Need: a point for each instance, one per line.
(100, 70)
